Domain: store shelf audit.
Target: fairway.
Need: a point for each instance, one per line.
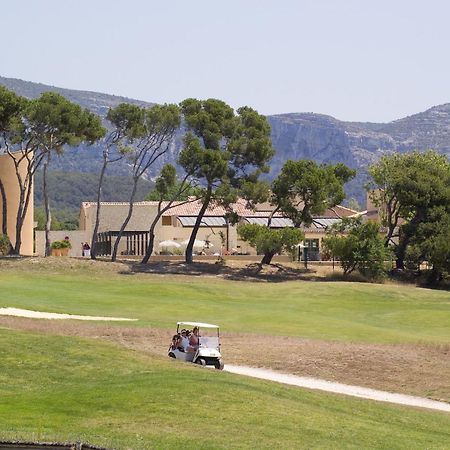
(56, 385)
(69, 389)
(338, 311)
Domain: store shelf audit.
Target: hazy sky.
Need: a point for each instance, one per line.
(353, 59)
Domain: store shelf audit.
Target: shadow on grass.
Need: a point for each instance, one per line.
(228, 270)
(254, 272)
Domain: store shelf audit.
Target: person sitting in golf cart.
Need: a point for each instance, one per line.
(185, 338)
(177, 343)
(194, 341)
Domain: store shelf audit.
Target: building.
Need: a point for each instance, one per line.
(217, 234)
(10, 184)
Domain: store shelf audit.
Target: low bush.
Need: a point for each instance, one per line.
(61, 244)
(5, 244)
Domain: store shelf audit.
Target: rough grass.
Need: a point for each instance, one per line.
(71, 389)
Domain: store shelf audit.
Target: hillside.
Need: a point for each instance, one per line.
(295, 136)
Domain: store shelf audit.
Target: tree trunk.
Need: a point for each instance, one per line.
(125, 223)
(97, 215)
(267, 259)
(24, 201)
(190, 246)
(4, 209)
(151, 231)
(48, 215)
(19, 223)
(151, 243)
(404, 239)
(151, 237)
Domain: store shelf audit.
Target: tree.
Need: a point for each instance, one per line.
(304, 189)
(126, 120)
(21, 148)
(301, 190)
(31, 131)
(10, 105)
(224, 151)
(145, 143)
(179, 191)
(431, 243)
(436, 245)
(171, 190)
(270, 241)
(361, 248)
(407, 188)
(53, 122)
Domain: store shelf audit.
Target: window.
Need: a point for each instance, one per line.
(167, 220)
(311, 243)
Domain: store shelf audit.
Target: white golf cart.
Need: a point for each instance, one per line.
(208, 351)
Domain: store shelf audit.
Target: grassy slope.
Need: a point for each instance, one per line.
(324, 310)
(57, 388)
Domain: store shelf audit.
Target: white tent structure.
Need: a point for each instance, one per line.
(198, 243)
(169, 243)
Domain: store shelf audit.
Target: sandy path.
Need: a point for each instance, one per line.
(55, 316)
(338, 388)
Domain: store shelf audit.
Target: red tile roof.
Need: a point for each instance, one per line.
(242, 207)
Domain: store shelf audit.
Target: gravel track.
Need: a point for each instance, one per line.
(338, 388)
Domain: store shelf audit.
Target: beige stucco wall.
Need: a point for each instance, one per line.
(112, 217)
(76, 238)
(9, 179)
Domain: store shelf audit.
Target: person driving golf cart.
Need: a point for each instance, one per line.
(201, 349)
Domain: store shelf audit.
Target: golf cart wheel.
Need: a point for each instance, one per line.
(172, 355)
(201, 362)
(219, 365)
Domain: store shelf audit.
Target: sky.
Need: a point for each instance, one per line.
(355, 60)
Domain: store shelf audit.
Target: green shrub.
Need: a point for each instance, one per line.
(361, 248)
(61, 244)
(5, 244)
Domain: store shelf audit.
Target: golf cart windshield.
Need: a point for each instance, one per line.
(209, 342)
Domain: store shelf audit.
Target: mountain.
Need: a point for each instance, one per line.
(295, 136)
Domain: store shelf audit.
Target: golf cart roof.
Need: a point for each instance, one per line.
(198, 324)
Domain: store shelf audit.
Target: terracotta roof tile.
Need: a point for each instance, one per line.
(242, 207)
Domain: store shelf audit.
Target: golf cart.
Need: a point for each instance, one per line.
(207, 352)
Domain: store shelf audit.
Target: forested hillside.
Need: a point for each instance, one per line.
(67, 190)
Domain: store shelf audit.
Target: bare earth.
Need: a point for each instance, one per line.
(421, 370)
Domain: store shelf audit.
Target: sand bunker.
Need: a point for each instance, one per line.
(46, 315)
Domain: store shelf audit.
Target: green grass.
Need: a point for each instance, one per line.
(341, 311)
(68, 389)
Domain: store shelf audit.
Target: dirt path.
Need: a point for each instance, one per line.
(338, 388)
(421, 369)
